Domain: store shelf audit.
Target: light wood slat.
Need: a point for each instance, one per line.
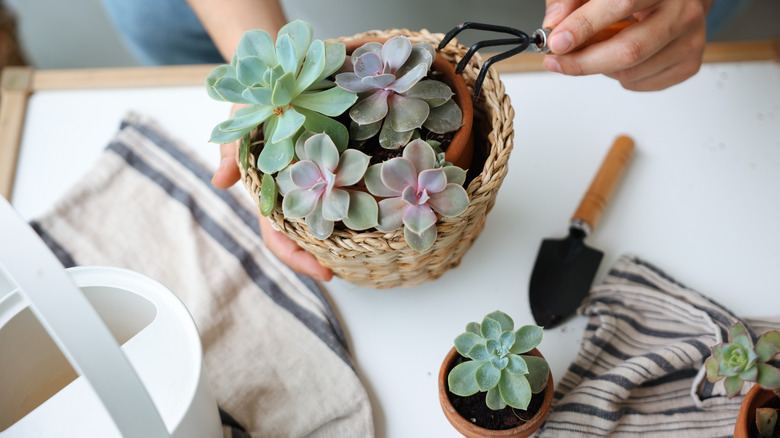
(14, 93)
(126, 77)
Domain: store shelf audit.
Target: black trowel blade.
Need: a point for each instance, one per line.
(562, 277)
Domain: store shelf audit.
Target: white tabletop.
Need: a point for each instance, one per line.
(700, 200)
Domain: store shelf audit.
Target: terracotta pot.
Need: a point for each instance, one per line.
(754, 399)
(470, 429)
(461, 150)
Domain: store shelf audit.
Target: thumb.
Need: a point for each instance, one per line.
(227, 173)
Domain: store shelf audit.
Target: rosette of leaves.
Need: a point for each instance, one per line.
(498, 365)
(738, 360)
(286, 89)
(394, 100)
(414, 190)
(314, 188)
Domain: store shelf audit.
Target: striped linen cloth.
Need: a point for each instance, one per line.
(640, 369)
(274, 352)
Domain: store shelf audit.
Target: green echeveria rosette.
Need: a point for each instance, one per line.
(498, 365)
(738, 361)
(285, 87)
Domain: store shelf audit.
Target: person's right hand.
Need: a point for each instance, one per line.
(663, 48)
(282, 246)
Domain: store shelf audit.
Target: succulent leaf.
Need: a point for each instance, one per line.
(286, 53)
(466, 341)
(319, 226)
(480, 353)
(420, 154)
(507, 339)
(406, 113)
(257, 43)
(364, 132)
(420, 242)
(313, 66)
(391, 139)
(371, 109)
(491, 329)
(768, 376)
(409, 80)
(493, 399)
(515, 390)
(300, 33)
(527, 338)
(434, 93)
(267, 195)
(473, 327)
(283, 90)
(335, 205)
(249, 70)
(452, 201)
(444, 118)
(335, 53)
(462, 379)
(317, 123)
(352, 166)
(538, 372)
(275, 156)
(487, 376)
(331, 102)
(363, 211)
(766, 420)
(287, 125)
(395, 52)
(391, 212)
(516, 365)
(732, 384)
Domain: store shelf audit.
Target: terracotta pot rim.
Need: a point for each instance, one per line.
(470, 429)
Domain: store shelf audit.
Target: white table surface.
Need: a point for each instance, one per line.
(700, 200)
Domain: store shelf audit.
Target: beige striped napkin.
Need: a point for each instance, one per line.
(274, 351)
(640, 369)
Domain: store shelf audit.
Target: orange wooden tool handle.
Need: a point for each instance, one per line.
(605, 181)
(606, 33)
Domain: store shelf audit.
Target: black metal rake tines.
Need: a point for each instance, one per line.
(521, 40)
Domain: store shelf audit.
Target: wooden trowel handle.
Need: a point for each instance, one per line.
(605, 182)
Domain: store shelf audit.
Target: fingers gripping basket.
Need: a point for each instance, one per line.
(379, 260)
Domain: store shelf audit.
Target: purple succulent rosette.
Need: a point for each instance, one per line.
(314, 188)
(414, 190)
(393, 100)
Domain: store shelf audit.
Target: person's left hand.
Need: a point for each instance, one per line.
(664, 47)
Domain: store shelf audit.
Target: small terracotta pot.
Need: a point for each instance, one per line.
(461, 150)
(470, 429)
(754, 399)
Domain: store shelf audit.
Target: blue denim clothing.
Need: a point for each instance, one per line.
(161, 32)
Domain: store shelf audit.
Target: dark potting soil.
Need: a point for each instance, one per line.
(474, 409)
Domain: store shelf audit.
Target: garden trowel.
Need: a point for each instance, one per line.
(565, 268)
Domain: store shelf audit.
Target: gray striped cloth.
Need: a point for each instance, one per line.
(274, 352)
(640, 369)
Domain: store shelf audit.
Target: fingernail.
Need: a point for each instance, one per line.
(552, 16)
(551, 64)
(561, 42)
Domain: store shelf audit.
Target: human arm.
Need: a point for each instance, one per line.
(663, 48)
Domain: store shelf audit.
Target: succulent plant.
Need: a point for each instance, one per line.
(285, 87)
(394, 100)
(414, 189)
(738, 361)
(498, 365)
(314, 187)
(766, 420)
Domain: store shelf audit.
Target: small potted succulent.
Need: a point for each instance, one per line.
(738, 361)
(494, 382)
(357, 150)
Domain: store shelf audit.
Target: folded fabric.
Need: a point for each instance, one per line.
(640, 368)
(274, 352)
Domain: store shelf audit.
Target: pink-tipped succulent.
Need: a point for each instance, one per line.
(415, 190)
(738, 361)
(393, 100)
(314, 187)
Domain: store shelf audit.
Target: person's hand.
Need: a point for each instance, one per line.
(664, 47)
(282, 246)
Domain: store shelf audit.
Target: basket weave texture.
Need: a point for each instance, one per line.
(379, 260)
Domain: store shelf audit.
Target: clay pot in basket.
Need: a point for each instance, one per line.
(534, 420)
(757, 397)
(374, 259)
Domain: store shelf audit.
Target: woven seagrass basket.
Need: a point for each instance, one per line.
(379, 260)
